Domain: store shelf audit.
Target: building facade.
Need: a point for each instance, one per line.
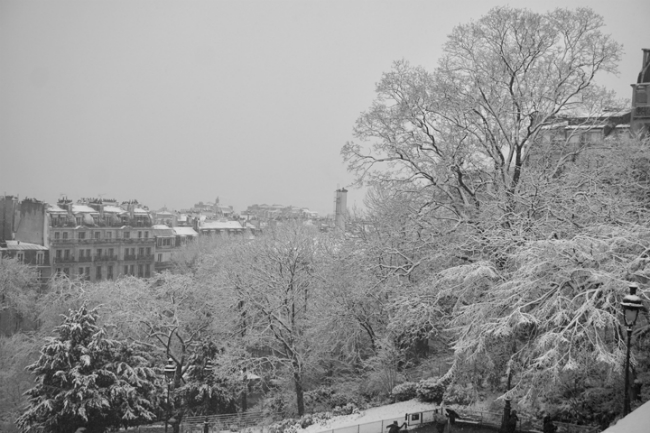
(640, 121)
(98, 240)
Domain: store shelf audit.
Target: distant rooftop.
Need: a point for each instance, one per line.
(22, 246)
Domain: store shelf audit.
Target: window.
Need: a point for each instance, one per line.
(127, 235)
(40, 258)
(88, 253)
(66, 271)
(58, 254)
(57, 235)
(87, 272)
(99, 252)
(140, 270)
(148, 251)
(132, 269)
(21, 257)
(141, 251)
(110, 273)
(65, 235)
(126, 270)
(82, 235)
(139, 235)
(58, 271)
(146, 234)
(81, 271)
(109, 235)
(147, 270)
(66, 254)
(98, 235)
(110, 252)
(160, 257)
(641, 95)
(98, 273)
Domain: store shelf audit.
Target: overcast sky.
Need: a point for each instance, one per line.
(172, 103)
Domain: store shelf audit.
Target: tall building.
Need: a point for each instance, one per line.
(641, 97)
(341, 209)
(8, 211)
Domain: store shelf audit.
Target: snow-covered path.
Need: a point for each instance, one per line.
(391, 411)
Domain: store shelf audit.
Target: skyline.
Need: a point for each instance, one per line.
(172, 103)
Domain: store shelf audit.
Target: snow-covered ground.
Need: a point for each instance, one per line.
(391, 411)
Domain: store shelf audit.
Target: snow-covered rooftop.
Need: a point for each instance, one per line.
(22, 246)
(55, 209)
(636, 422)
(220, 225)
(113, 209)
(184, 231)
(82, 208)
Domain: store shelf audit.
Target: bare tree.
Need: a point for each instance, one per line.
(273, 279)
(463, 134)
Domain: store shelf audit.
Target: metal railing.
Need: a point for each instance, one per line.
(106, 258)
(371, 427)
(64, 260)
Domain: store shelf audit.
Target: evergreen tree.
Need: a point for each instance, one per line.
(85, 379)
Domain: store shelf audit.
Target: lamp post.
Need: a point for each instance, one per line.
(170, 372)
(631, 306)
(207, 372)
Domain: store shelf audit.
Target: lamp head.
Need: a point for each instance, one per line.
(170, 368)
(631, 304)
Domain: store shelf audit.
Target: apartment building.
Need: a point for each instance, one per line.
(99, 239)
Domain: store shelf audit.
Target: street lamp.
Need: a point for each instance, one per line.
(170, 372)
(207, 373)
(208, 367)
(631, 304)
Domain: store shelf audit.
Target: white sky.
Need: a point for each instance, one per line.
(176, 102)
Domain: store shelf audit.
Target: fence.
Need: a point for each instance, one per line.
(253, 422)
(371, 427)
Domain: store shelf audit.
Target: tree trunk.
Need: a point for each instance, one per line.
(300, 400)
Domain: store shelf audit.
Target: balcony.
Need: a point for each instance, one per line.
(146, 258)
(161, 266)
(130, 257)
(142, 241)
(106, 258)
(62, 241)
(108, 241)
(60, 223)
(85, 259)
(61, 260)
